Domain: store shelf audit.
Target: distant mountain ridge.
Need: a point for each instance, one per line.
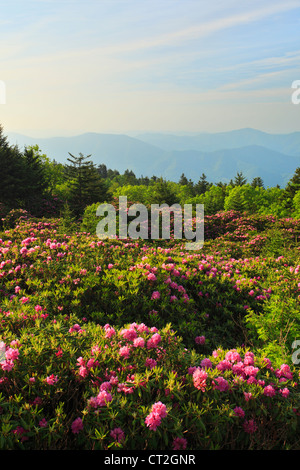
(273, 157)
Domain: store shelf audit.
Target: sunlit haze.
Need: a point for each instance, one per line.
(125, 66)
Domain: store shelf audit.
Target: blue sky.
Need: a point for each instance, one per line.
(128, 66)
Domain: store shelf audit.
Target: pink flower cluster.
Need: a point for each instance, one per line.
(8, 356)
(158, 411)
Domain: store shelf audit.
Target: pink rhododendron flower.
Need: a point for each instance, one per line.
(150, 362)
(200, 340)
(285, 392)
(117, 434)
(250, 426)
(221, 384)
(155, 295)
(124, 352)
(179, 443)
(158, 411)
(269, 391)
(139, 342)
(238, 411)
(77, 426)
(199, 379)
(153, 341)
(51, 379)
(103, 398)
(206, 363)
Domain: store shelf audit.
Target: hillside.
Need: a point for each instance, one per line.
(220, 156)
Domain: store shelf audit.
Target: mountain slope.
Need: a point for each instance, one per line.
(288, 144)
(222, 165)
(122, 152)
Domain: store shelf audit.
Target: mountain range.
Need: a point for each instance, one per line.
(273, 157)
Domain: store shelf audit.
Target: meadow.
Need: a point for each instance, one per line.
(143, 345)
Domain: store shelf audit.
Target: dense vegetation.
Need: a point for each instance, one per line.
(33, 181)
(141, 344)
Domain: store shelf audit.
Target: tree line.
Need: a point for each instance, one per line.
(30, 180)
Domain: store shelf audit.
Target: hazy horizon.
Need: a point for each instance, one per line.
(132, 66)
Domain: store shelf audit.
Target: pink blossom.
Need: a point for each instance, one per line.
(12, 354)
(269, 391)
(285, 392)
(129, 333)
(124, 352)
(153, 420)
(284, 371)
(159, 408)
(199, 379)
(158, 411)
(250, 426)
(238, 411)
(110, 332)
(151, 363)
(224, 365)
(7, 365)
(233, 356)
(151, 277)
(77, 426)
(43, 423)
(117, 434)
(206, 363)
(200, 340)
(249, 358)
(248, 396)
(83, 372)
(103, 398)
(139, 342)
(153, 341)
(51, 379)
(155, 295)
(222, 384)
(179, 443)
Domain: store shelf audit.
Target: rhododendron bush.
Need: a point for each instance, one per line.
(135, 344)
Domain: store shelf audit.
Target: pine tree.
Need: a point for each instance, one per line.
(239, 179)
(35, 184)
(183, 180)
(203, 185)
(11, 173)
(87, 187)
(257, 182)
(291, 189)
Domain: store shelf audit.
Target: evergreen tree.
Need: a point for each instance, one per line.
(291, 189)
(183, 180)
(35, 184)
(11, 173)
(239, 179)
(87, 187)
(294, 184)
(102, 170)
(257, 182)
(203, 185)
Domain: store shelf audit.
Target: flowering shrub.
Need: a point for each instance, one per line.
(143, 345)
(68, 386)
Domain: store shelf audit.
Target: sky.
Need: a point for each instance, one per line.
(131, 66)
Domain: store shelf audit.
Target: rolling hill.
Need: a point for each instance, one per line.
(273, 157)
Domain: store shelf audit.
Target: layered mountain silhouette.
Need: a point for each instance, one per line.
(273, 157)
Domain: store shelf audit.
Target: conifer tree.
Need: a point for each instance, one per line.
(34, 180)
(11, 173)
(239, 179)
(87, 187)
